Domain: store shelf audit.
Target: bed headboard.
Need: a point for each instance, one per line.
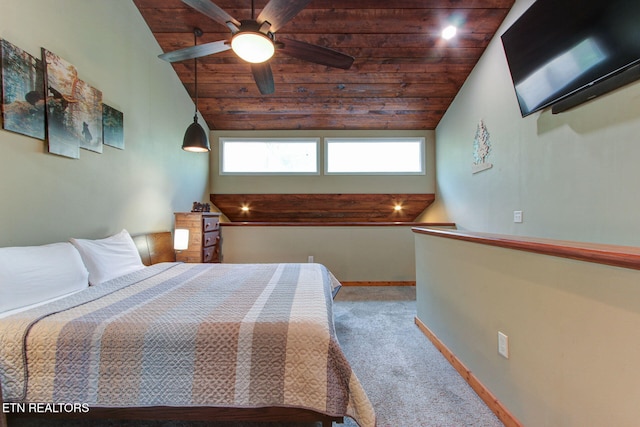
(155, 247)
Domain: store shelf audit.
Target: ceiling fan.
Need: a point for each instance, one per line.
(254, 40)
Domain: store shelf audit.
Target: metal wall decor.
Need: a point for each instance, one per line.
(481, 149)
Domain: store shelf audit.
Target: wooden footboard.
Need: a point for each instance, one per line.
(268, 414)
(3, 418)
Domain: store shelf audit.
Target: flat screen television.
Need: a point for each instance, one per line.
(562, 53)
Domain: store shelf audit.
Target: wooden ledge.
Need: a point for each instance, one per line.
(321, 207)
(615, 255)
(336, 224)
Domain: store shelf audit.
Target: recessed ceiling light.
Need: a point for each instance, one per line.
(449, 32)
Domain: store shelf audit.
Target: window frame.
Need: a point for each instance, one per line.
(223, 140)
(419, 139)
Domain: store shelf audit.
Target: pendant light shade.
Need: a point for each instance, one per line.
(195, 138)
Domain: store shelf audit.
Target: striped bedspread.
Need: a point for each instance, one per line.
(231, 335)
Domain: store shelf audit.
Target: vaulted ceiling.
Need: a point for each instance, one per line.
(404, 75)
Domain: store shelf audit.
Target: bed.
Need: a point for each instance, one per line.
(180, 341)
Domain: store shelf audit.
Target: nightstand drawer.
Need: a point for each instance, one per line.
(210, 254)
(210, 224)
(210, 239)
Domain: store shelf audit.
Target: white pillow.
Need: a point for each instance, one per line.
(33, 274)
(109, 258)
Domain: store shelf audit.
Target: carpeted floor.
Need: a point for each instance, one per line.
(409, 382)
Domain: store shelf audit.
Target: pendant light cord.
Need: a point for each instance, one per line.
(195, 138)
(195, 68)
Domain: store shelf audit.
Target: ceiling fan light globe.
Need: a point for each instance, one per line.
(253, 47)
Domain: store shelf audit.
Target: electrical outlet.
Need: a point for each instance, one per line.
(517, 216)
(503, 345)
(310, 258)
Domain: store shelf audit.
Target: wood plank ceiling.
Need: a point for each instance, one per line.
(404, 75)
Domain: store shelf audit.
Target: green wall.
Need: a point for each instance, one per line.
(363, 253)
(572, 327)
(351, 253)
(47, 198)
(574, 175)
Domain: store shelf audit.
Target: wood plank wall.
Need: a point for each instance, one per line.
(322, 207)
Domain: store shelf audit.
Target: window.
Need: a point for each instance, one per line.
(269, 156)
(374, 156)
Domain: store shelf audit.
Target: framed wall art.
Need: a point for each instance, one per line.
(61, 78)
(112, 127)
(23, 103)
(74, 109)
(87, 116)
(46, 99)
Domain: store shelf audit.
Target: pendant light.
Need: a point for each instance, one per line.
(195, 138)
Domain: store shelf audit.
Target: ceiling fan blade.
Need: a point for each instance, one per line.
(195, 51)
(316, 54)
(213, 11)
(279, 12)
(264, 77)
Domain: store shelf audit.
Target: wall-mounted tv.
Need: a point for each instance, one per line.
(565, 52)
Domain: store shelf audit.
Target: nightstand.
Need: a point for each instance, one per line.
(205, 240)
